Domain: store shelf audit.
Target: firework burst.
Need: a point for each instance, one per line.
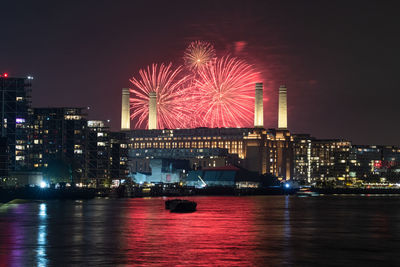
(198, 54)
(225, 93)
(168, 84)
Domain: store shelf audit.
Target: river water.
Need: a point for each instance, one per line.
(224, 231)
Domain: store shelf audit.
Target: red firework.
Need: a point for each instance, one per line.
(198, 54)
(168, 85)
(225, 93)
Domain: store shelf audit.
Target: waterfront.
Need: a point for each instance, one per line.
(230, 231)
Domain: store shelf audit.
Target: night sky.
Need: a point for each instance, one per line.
(339, 59)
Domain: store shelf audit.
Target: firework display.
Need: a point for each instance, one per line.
(225, 93)
(210, 92)
(167, 84)
(198, 54)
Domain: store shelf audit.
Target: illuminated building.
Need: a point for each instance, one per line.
(68, 147)
(97, 154)
(106, 155)
(255, 149)
(118, 156)
(259, 106)
(58, 142)
(125, 112)
(163, 171)
(373, 163)
(282, 107)
(320, 159)
(15, 110)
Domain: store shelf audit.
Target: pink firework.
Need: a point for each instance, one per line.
(168, 84)
(198, 54)
(225, 93)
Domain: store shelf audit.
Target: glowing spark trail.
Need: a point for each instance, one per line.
(225, 93)
(168, 84)
(198, 54)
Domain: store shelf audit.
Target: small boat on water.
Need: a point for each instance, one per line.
(306, 192)
(180, 205)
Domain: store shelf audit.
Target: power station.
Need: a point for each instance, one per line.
(258, 109)
(256, 149)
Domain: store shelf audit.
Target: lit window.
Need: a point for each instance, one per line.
(19, 158)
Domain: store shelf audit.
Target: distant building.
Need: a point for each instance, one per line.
(68, 147)
(15, 110)
(374, 163)
(118, 156)
(320, 159)
(58, 143)
(97, 154)
(228, 176)
(256, 149)
(163, 171)
(363, 160)
(106, 155)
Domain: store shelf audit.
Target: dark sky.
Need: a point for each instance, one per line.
(339, 59)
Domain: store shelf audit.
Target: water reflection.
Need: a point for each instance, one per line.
(225, 231)
(42, 236)
(218, 234)
(287, 232)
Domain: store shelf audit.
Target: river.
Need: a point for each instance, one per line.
(224, 231)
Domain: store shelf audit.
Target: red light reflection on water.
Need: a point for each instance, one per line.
(214, 234)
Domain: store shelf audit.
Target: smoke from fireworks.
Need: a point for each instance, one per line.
(198, 54)
(225, 93)
(168, 84)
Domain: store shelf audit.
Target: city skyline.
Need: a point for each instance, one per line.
(333, 75)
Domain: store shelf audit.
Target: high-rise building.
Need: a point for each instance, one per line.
(118, 156)
(15, 101)
(282, 108)
(58, 143)
(321, 159)
(97, 154)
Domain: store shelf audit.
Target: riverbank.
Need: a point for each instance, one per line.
(349, 190)
(35, 193)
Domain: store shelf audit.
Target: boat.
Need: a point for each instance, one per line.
(306, 192)
(180, 205)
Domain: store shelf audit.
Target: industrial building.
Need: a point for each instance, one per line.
(255, 149)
